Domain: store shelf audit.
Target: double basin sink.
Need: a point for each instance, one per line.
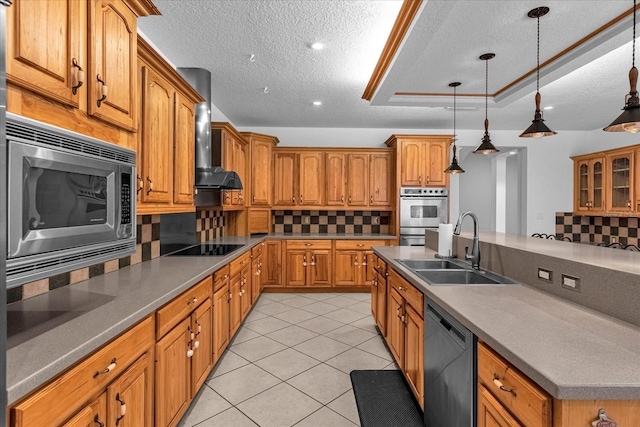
(439, 272)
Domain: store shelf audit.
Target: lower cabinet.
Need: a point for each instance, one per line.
(354, 262)
(272, 271)
(307, 263)
(491, 413)
(405, 331)
(94, 414)
(221, 302)
(257, 278)
(130, 397)
(379, 294)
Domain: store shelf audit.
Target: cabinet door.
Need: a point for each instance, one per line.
(256, 278)
(347, 267)
(202, 359)
(311, 173)
(245, 289)
(272, 268)
(395, 326)
(92, 415)
(296, 267)
(368, 269)
(173, 375)
(582, 186)
(358, 180)
(157, 138)
(261, 172)
(319, 273)
(336, 179)
(491, 413)
(380, 179)
(437, 161)
(596, 184)
(220, 320)
(374, 297)
(235, 305)
(112, 59)
(130, 397)
(44, 38)
(620, 176)
(184, 151)
(241, 161)
(414, 352)
(411, 163)
(285, 178)
(381, 319)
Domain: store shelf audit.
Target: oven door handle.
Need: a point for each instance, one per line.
(32, 183)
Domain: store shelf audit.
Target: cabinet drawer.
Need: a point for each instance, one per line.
(256, 251)
(239, 263)
(180, 307)
(381, 267)
(69, 392)
(528, 402)
(411, 295)
(308, 244)
(220, 277)
(359, 244)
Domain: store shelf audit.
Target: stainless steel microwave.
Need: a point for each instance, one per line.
(70, 201)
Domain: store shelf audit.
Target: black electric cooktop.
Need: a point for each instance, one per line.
(207, 249)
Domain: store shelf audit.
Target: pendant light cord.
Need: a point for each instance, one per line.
(486, 89)
(538, 57)
(454, 116)
(633, 64)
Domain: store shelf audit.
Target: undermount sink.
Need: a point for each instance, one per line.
(431, 264)
(462, 277)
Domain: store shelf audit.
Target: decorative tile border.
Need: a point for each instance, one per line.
(598, 229)
(331, 222)
(209, 224)
(147, 248)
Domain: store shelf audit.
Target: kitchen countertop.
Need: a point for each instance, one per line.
(571, 351)
(57, 329)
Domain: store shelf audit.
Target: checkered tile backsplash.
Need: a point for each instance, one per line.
(147, 248)
(331, 222)
(209, 224)
(597, 229)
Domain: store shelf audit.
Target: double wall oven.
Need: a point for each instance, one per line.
(420, 209)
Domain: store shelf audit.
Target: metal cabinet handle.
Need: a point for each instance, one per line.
(254, 199)
(420, 179)
(629, 203)
(192, 301)
(103, 90)
(123, 409)
(77, 75)
(96, 420)
(498, 383)
(140, 184)
(349, 199)
(108, 369)
(301, 199)
(342, 199)
(360, 245)
(371, 199)
(150, 186)
(308, 244)
(428, 180)
(401, 288)
(313, 260)
(293, 199)
(304, 261)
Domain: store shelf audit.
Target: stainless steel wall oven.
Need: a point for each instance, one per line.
(421, 208)
(71, 204)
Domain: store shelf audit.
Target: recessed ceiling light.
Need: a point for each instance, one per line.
(317, 46)
(549, 107)
(316, 103)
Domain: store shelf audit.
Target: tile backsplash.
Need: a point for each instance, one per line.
(343, 222)
(598, 229)
(209, 224)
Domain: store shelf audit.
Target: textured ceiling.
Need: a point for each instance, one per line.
(442, 45)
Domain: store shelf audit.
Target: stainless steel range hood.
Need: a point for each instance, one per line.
(209, 173)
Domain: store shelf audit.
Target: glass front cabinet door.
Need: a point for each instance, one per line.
(620, 183)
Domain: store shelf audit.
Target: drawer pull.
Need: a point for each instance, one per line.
(96, 420)
(360, 244)
(103, 90)
(308, 244)
(189, 353)
(192, 301)
(501, 386)
(77, 76)
(150, 186)
(196, 344)
(108, 369)
(400, 288)
(123, 409)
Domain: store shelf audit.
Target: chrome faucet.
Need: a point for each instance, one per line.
(475, 250)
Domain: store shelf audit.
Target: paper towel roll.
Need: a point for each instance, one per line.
(445, 240)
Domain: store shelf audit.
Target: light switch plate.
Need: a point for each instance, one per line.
(545, 275)
(306, 219)
(570, 282)
(375, 220)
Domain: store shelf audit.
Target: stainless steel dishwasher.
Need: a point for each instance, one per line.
(449, 370)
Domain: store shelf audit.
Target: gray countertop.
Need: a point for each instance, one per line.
(61, 327)
(571, 351)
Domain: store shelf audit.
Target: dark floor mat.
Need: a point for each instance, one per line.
(384, 400)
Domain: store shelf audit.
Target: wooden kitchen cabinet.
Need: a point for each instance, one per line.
(336, 173)
(308, 263)
(395, 325)
(620, 170)
(589, 184)
(184, 354)
(381, 188)
(352, 261)
(221, 310)
(91, 415)
(414, 352)
(130, 397)
(260, 147)
(246, 292)
(358, 180)
(298, 178)
(379, 294)
(272, 271)
(422, 159)
(234, 157)
(257, 277)
(166, 164)
(310, 184)
(285, 178)
(491, 413)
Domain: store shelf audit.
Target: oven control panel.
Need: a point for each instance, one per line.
(424, 192)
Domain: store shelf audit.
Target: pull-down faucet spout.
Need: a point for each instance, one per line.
(475, 250)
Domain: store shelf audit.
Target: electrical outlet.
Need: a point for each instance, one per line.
(545, 275)
(306, 219)
(215, 222)
(571, 282)
(375, 220)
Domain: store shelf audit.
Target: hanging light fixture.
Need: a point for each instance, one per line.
(537, 128)
(629, 120)
(454, 167)
(486, 147)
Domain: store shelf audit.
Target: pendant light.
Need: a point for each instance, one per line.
(486, 147)
(537, 128)
(629, 120)
(454, 167)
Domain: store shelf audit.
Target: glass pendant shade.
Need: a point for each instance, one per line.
(454, 168)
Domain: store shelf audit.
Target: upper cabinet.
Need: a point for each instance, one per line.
(235, 157)
(81, 55)
(607, 183)
(422, 159)
(166, 140)
(298, 178)
(260, 147)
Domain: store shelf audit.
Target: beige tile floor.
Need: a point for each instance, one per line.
(289, 364)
